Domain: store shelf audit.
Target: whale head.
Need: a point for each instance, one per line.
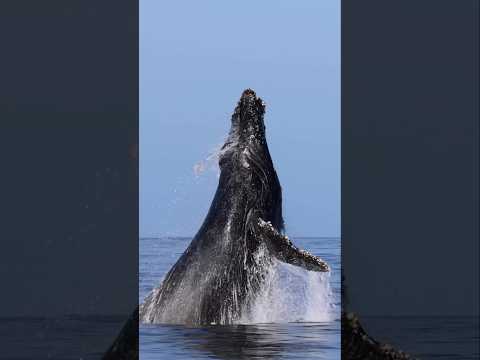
(247, 132)
(247, 120)
(245, 159)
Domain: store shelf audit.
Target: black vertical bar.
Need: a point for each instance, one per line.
(410, 205)
(69, 176)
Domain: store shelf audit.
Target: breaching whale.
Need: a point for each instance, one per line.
(217, 277)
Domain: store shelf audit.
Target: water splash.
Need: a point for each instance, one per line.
(285, 294)
(210, 162)
(291, 294)
(205, 177)
(212, 159)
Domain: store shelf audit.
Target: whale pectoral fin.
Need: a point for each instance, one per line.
(285, 251)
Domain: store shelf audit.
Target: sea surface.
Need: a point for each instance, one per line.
(301, 320)
(428, 337)
(67, 337)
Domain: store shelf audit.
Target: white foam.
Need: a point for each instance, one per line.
(292, 294)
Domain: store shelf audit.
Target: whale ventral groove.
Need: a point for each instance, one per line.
(217, 277)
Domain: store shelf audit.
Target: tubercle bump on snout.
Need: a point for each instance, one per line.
(248, 97)
(249, 92)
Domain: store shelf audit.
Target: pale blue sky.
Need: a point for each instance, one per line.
(196, 58)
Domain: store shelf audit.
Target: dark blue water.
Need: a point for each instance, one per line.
(278, 340)
(57, 338)
(432, 337)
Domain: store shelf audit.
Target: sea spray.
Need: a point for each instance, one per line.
(205, 176)
(209, 163)
(291, 294)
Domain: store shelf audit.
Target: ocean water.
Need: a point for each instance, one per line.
(68, 337)
(297, 318)
(428, 337)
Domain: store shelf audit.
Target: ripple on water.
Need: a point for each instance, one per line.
(281, 339)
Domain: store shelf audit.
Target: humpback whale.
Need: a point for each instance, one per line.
(217, 277)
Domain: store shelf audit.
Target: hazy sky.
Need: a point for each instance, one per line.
(196, 58)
